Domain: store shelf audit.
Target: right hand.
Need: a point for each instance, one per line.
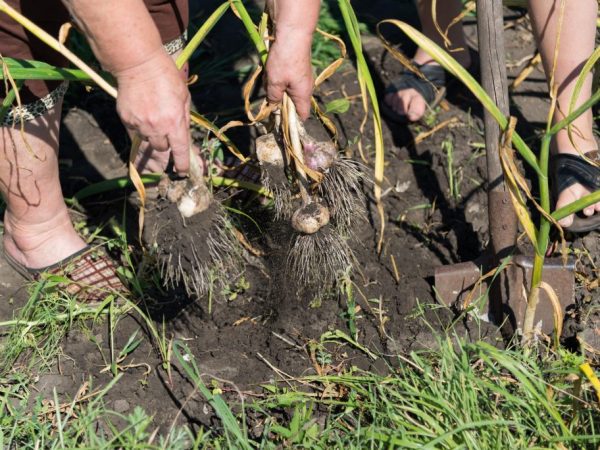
(289, 70)
(154, 102)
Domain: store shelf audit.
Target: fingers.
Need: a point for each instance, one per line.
(300, 91)
(302, 103)
(149, 161)
(300, 97)
(566, 221)
(275, 91)
(179, 141)
(158, 143)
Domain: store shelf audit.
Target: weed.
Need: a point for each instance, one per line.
(507, 400)
(347, 291)
(452, 172)
(33, 337)
(84, 422)
(232, 291)
(325, 51)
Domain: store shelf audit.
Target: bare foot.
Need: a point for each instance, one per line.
(571, 194)
(409, 102)
(39, 245)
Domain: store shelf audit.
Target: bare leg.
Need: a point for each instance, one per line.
(37, 228)
(576, 45)
(408, 101)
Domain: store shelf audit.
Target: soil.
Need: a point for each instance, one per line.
(190, 250)
(258, 330)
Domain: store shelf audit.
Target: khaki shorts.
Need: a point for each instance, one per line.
(170, 17)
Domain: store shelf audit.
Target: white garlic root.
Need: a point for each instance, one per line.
(310, 218)
(192, 195)
(268, 151)
(312, 215)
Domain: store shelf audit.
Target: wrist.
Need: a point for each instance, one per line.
(294, 38)
(152, 65)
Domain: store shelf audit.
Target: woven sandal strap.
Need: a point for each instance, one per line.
(92, 273)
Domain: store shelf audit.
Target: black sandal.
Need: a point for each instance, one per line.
(570, 169)
(432, 86)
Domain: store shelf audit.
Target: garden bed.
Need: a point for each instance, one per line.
(264, 329)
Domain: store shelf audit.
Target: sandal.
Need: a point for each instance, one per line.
(432, 87)
(570, 169)
(91, 274)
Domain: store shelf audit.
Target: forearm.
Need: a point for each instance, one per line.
(294, 20)
(121, 33)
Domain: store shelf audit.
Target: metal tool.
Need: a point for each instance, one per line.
(508, 291)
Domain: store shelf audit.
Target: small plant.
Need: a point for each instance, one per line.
(231, 292)
(347, 291)
(452, 172)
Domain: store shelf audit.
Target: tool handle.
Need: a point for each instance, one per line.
(501, 214)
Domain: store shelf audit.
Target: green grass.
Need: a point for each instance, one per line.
(324, 51)
(461, 395)
(28, 423)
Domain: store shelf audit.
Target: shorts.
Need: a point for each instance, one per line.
(38, 96)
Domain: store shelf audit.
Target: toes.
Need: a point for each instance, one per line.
(571, 194)
(566, 197)
(566, 221)
(407, 102)
(401, 103)
(416, 107)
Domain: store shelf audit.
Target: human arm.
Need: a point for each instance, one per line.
(153, 99)
(289, 63)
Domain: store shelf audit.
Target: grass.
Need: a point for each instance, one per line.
(459, 395)
(27, 422)
(452, 172)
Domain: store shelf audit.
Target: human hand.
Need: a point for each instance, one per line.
(154, 102)
(289, 70)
